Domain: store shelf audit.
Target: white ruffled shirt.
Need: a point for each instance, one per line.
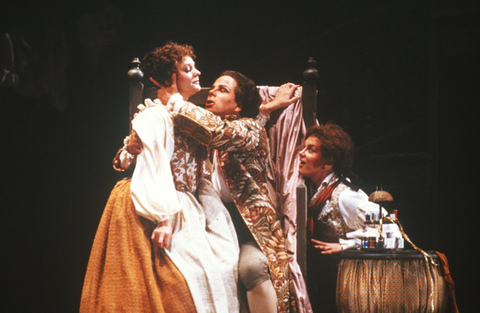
(353, 206)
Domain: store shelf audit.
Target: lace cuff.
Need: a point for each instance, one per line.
(126, 159)
(262, 119)
(123, 160)
(350, 243)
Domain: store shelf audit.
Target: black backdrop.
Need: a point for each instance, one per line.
(388, 69)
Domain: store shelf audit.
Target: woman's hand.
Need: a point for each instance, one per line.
(327, 247)
(162, 234)
(283, 98)
(164, 93)
(134, 144)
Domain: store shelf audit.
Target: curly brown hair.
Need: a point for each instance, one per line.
(246, 94)
(160, 63)
(336, 146)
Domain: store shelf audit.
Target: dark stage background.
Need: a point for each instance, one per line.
(402, 77)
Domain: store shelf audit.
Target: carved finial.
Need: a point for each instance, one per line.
(311, 73)
(311, 62)
(134, 73)
(136, 62)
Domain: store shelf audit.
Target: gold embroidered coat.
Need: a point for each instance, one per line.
(244, 171)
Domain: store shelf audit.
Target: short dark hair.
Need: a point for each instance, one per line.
(160, 63)
(336, 146)
(246, 94)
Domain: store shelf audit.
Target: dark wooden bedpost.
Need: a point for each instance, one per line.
(135, 76)
(309, 94)
(309, 100)
(302, 206)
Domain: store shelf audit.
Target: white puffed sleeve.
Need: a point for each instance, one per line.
(152, 188)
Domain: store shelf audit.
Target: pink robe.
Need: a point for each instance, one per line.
(286, 133)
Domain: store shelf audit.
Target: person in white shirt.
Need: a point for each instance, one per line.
(336, 211)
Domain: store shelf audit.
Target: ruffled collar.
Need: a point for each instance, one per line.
(329, 180)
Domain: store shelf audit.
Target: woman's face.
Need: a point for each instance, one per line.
(311, 164)
(221, 97)
(188, 78)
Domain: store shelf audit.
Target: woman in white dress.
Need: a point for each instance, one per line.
(200, 240)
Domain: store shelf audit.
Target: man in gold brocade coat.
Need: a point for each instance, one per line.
(240, 150)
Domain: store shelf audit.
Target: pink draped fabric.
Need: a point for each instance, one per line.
(286, 133)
